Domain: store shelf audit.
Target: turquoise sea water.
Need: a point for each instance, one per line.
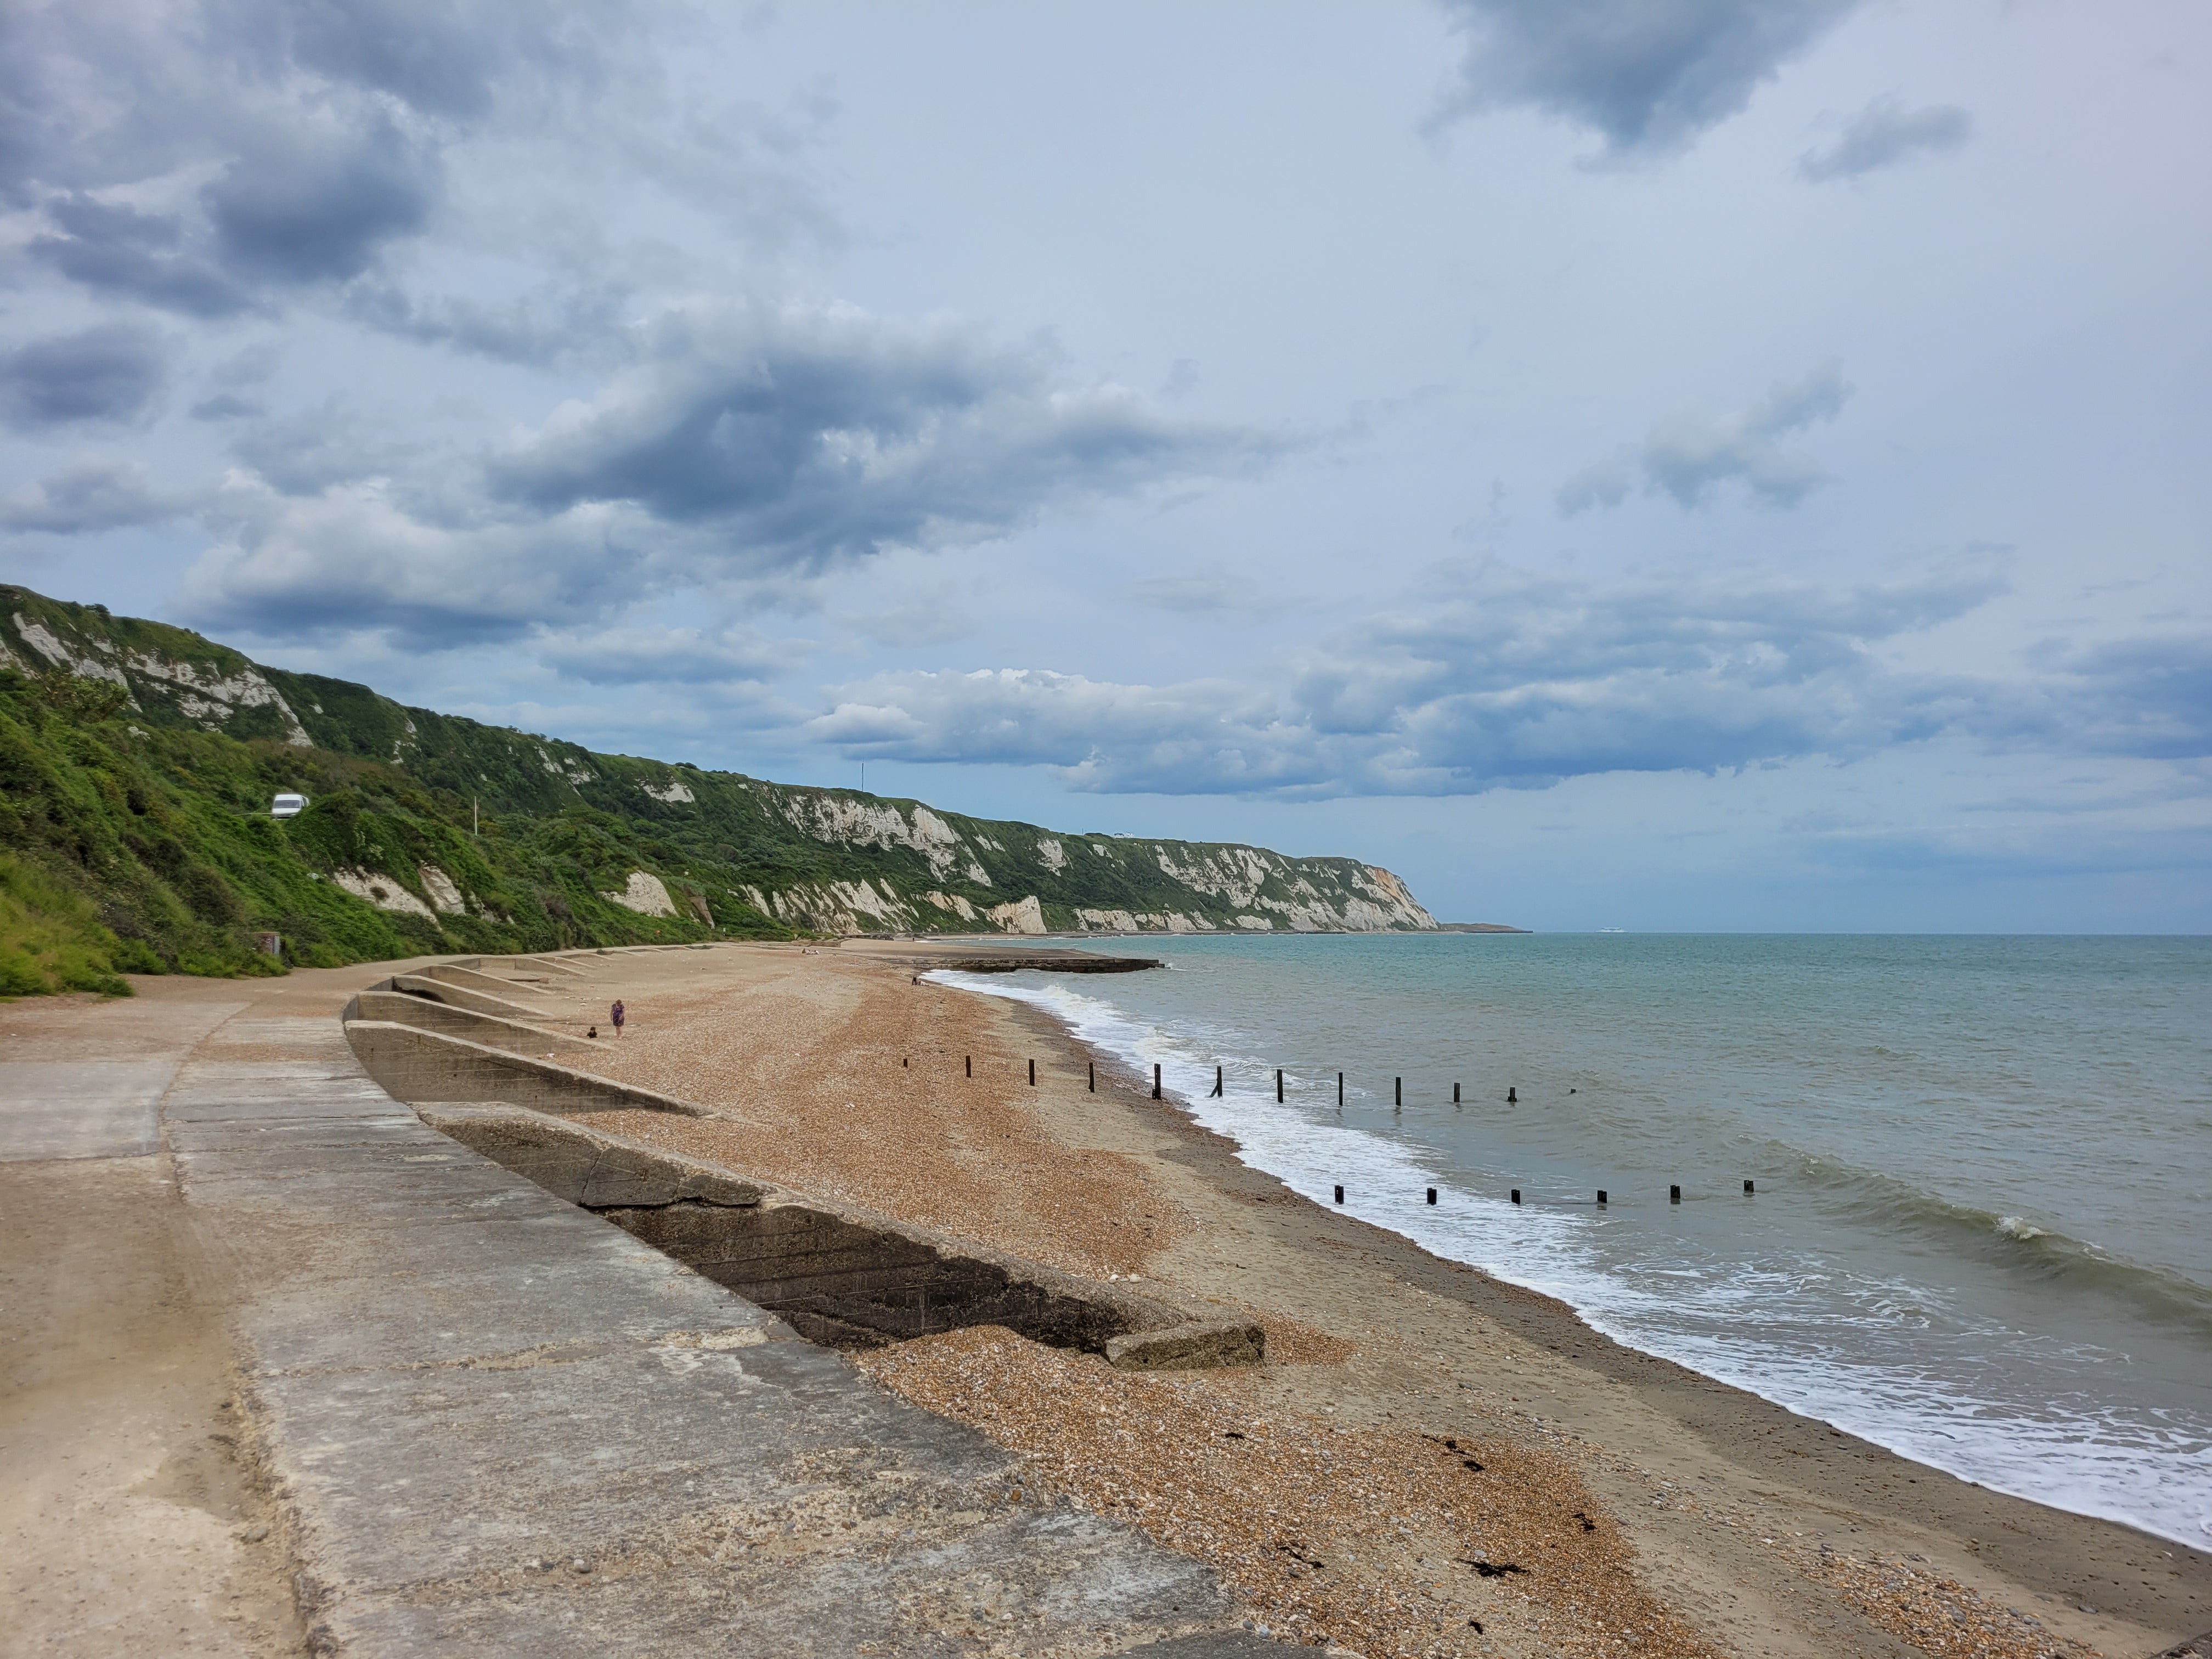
(1980, 1233)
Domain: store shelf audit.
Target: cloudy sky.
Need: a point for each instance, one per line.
(1662, 464)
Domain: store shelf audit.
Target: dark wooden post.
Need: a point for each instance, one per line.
(1156, 1080)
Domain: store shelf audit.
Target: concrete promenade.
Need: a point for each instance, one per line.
(439, 1411)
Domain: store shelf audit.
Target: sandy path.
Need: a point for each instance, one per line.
(1653, 1511)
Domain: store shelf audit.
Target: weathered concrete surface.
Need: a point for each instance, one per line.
(484, 1420)
(841, 1274)
(504, 1425)
(419, 1064)
(462, 996)
(449, 1019)
(81, 1109)
(471, 978)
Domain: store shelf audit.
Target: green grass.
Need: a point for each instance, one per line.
(51, 938)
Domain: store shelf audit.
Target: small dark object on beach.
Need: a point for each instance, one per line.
(1033, 1074)
(1432, 1194)
(1468, 1463)
(1588, 1525)
(593, 1032)
(1475, 1624)
(1673, 1194)
(968, 1065)
(1601, 1195)
(1491, 1569)
(1574, 1091)
(1339, 1194)
(1517, 1194)
(1747, 1189)
(1232, 1434)
(1216, 1083)
(1512, 1096)
(1094, 1077)
(1156, 1080)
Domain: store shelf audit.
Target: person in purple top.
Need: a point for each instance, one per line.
(618, 1017)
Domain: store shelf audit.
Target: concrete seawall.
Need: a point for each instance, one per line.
(488, 1422)
(841, 1275)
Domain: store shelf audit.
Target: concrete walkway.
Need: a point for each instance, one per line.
(489, 1422)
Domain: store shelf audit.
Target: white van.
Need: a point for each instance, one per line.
(288, 807)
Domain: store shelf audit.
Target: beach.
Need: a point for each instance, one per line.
(1622, 1503)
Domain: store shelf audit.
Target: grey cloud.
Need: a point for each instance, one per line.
(1648, 76)
(749, 442)
(809, 434)
(323, 121)
(315, 208)
(1506, 684)
(227, 406)
(1688, 456)
(89, 495)
(2150, 697)
(109, 372)
(561, 321)
(688, 656)
(1885, 133)
(141, 256)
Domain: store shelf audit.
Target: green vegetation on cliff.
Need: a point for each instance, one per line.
(137, 764)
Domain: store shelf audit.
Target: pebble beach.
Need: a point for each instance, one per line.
(1430, 1462)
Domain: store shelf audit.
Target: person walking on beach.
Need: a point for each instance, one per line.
(617, 1015)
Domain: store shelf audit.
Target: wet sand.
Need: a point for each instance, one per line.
(1430, 1462)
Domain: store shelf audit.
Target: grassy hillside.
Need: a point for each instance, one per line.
(137, 761)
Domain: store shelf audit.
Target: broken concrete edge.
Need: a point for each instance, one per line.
(451, 1019)
(1194, 1345)
(410, 1064)
(598, 1170)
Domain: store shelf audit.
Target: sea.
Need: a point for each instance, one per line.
(1979, 1229)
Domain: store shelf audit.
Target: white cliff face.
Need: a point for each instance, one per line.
(843, 822)
(1050, 853)
(1024, 915)
(674, 792)
(382, 892)
(445, 896)
(206, 698)
(645, 893)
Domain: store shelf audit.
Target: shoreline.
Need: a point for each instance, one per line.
(1563, 1306)
(1542, 1317)
(1692, 1470)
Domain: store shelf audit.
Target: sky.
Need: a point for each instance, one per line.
(1658, 463)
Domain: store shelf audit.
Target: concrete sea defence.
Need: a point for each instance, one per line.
(841, 1275)
(485, 1421)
